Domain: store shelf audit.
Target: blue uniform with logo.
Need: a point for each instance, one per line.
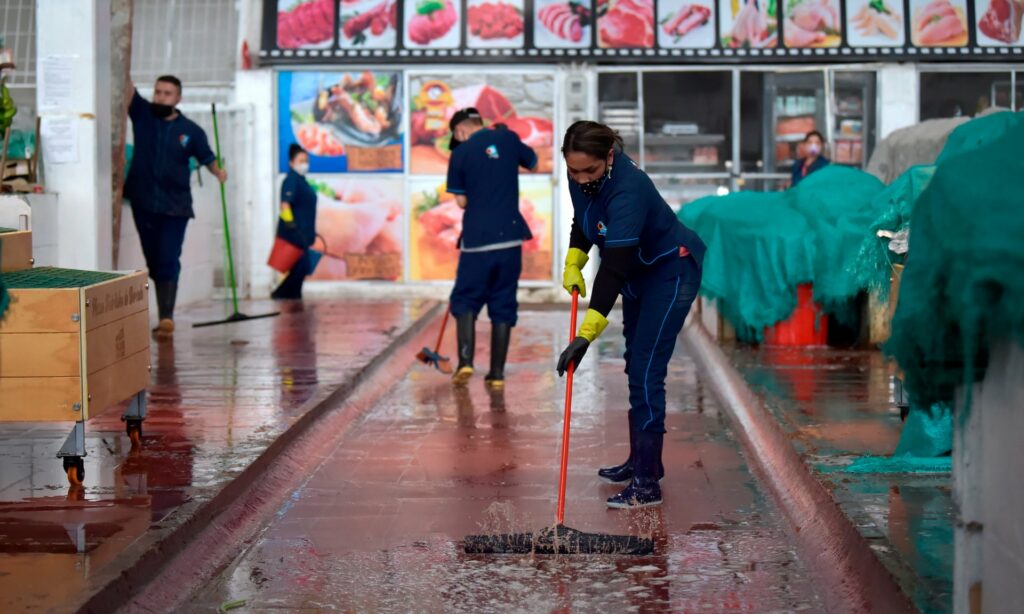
(158, 184)
(301, 232)
(485, 169)
(628, 212)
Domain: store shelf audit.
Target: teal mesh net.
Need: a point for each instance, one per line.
(52, 277)
(963, 285)
(762, 245)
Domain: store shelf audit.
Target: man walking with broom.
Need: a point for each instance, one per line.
(159, 190)
(483, 174)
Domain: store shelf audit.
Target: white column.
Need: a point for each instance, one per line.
(73, 98)
(898, 98)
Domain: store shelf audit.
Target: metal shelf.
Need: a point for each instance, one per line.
(686, 139)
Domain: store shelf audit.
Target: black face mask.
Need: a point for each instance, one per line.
(162, 111)
(591, 188)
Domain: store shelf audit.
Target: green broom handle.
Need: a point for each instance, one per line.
(224, 210)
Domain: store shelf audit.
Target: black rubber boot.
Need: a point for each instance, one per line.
(166, 294)
(466, 338)
(643, 490)
(623, 472)
(501, 334)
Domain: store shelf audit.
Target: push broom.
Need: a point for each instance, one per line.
(433, 357)
(236, 316)
(560, 539)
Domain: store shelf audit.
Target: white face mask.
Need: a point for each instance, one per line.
(813, 149)
(301, 168)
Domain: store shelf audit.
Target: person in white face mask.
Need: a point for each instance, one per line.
(814, 158)
(297, 223)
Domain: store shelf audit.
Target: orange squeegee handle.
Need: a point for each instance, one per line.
(560, 516)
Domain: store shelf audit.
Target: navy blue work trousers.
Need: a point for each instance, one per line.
(162, 237)
(488, 278)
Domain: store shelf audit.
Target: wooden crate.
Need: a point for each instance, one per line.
(67, 351)
(15, 250)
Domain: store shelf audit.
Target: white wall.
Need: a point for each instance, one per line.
(898, 98)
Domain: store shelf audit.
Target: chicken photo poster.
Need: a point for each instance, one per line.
(998, 22)
(562, 24)
(436, 224)
(369, 24)
(433, 24)
(938, 23)
(748, 24)
(812, 24)
(521, 101)
(347, 121)
(360, 227)
(875, 23)
(686, 24)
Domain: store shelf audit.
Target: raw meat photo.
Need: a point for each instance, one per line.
(686, 24)
(522, 102)
(305, 24)
(625, 24)
(875, 23)
(432, 24)
(939, 23)
(749, 24)
(366, 108)
(436, 225)
(495, 24)
(812, 23)
(369, 24)
(560, 23)
(359, 224)
(1000, 24)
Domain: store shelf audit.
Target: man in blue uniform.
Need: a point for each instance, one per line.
(483, 174)
(654, 262)
(158, 186)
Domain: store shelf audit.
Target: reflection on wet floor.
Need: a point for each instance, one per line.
(219, 396)
(836, 405)
(377, 527)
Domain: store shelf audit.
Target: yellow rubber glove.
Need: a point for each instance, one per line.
(593, 325)
(286, 215)
(572, 275)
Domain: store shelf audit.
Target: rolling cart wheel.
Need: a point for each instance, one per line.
(134, 429)
(74, 467)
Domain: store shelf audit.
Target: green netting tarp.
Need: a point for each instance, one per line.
(963, 285)
(762, 245)
(873, 266)
(52, 277)
(980, 131)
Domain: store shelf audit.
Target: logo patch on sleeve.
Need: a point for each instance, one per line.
(183, 139)
(602, 229)
(492, 152)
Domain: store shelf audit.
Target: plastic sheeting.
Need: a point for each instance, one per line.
(963, 285)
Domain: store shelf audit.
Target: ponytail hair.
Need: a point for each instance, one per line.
(590, 138)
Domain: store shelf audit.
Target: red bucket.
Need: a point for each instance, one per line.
(284, 255)
(807, 325)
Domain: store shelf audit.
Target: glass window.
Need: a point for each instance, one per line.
(853, 132)
(797, 107)
(752, 119)
(619, 107)
(957, 94)
(678, 190)
(1018, 97)
(687, 119)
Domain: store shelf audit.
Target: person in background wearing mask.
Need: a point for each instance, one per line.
(814, 157)
(297, 224)
(158, 186)
(483, 174)
(651, 259)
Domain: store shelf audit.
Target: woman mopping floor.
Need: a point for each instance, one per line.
(654, 262)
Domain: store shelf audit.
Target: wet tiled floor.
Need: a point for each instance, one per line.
(377, 526)
(837, 406)
(219, 397)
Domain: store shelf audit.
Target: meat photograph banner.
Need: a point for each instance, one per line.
(326, 32)
(523, 102)
(436, 225)
(360, 227)
(347, 121)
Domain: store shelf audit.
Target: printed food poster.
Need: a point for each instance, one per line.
(562, 24)
(813, 24)
(347, 121)
(305, 24)
(938, 23)
(494, 24)
(875, 23)
(523, 102)
(432, 24)
(360, 225)
(998, 22)
(436, 225)
(686, 24)
(749, 24)
(625, 24)
(369, 24)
